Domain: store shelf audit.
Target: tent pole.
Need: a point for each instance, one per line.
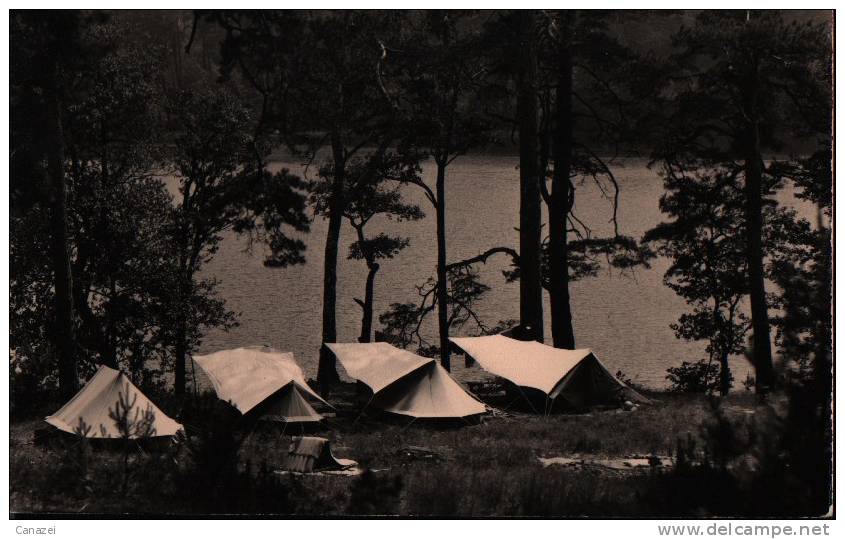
(408, 425)
(524, 396)
(508, 405)
(363, 409)
(247, 434)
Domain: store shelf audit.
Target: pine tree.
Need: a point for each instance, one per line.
(746, 84)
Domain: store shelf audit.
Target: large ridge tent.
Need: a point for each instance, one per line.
(405, 383)
(93, 403)
(262, 381)
(576, 376)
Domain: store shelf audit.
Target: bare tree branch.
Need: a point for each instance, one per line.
(483, 257)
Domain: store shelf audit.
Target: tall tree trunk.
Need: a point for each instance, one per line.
(762, 348)
(722, 335)
(111, 338)
(367, 305)
(186, 282)
(110, 358)
(442, 281)
(181, 354)
(60, 255)
(563, 335)
(327, 370)
(530, 286)
(724, 374)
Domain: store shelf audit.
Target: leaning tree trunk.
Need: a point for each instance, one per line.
(327, 370)
(530, 286)
(442, 278)
(63, 282)
(367, 304)
(563, 335)
(762, 348)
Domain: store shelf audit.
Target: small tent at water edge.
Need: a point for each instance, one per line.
(576, 377)
(404, 383)
(93, 405)
(262, 381)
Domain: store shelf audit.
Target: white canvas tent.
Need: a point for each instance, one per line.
(98, 397)
(577, 376)
(405, 383)
(263, 380)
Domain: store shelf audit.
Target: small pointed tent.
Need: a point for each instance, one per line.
(405, 383)
(100, 396)
(576, 376)
(263, 381)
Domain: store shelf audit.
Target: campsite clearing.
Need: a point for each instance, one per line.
(488, 468)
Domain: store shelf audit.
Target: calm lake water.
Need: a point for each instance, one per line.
(623, 319)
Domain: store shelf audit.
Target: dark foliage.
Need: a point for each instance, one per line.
(372, 188)
(318, 75)
(116, 213)
(402, 323)
(703, 376)
(777, 464)
(803, 270)
(372, 494)
(223, 186)
(213, 475)
(743, 83)
(706, 246)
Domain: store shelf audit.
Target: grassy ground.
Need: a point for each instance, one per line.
(487, 468)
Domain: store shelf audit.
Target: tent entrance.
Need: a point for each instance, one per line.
(524, 399)
(589, 384)
(288, 405)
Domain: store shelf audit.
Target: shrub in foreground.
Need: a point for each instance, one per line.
(776, 464)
